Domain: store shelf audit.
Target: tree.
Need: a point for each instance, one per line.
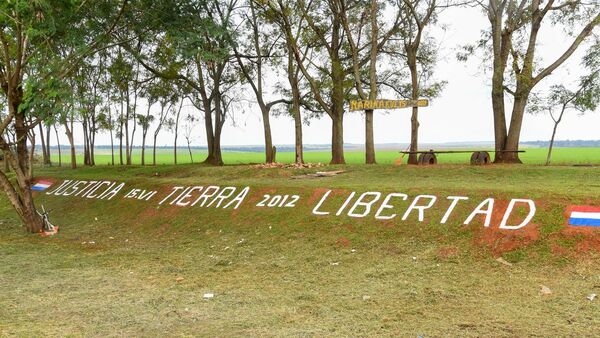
(190, 41)
(42, 43)
(514, 29)
(260, 43)
(360, 22)
(297, 100)
(586, 98)
(57, 144)
(329, 85)
(68, 121)
(166, 98)
(188, 133)
(420, 51)
(146, 120)
(175, 126)
(88, 86)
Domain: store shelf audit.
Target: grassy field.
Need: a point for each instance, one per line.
(535, 156)
(127, 268)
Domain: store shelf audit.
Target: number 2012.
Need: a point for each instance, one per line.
(278, 201)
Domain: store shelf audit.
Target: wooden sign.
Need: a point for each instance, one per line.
(386, 104)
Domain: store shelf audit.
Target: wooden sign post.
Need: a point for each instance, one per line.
(386, 104)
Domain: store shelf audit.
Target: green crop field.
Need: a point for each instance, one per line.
(535, 156)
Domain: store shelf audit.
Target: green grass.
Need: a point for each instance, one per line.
(271, 270)
(535, 156)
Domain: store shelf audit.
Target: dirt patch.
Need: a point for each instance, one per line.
(343, 242)
(499, 240)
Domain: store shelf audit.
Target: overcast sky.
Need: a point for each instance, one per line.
(461, 114)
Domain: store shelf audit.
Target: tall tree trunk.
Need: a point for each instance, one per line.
(135, 97)
(369, 139)
(551, 144)
(190, 151)
(154, 150)
(210, 138)
(511, 148)
(86, 149)
(337, 113)
(176, 132)
(48, 145)
(112, 147)
(267, 133)
(144, 133)
(337, 140)
(127, 149)
(369, 135)
(294, 85)
(69, 133)
(92, 142)
(121, 133)
(58, 145)
(414, 119)
(44, 150)
(217, 157)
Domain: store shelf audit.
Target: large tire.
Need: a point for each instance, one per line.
(480, 158)
(427, 159)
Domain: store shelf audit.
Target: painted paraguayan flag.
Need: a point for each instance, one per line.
(41, 186)
(585, 216)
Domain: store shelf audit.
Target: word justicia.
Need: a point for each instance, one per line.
(384, 207)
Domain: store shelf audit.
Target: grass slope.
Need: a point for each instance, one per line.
(164, 156)
(289, 273)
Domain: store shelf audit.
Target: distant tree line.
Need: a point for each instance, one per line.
(128, 67)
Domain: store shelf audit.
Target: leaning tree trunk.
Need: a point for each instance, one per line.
(144, 133)
(154, 151)
(556, 123)
(190, 151)
(6, 165)
(69, 134)
(19, 194)
(551, 144)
